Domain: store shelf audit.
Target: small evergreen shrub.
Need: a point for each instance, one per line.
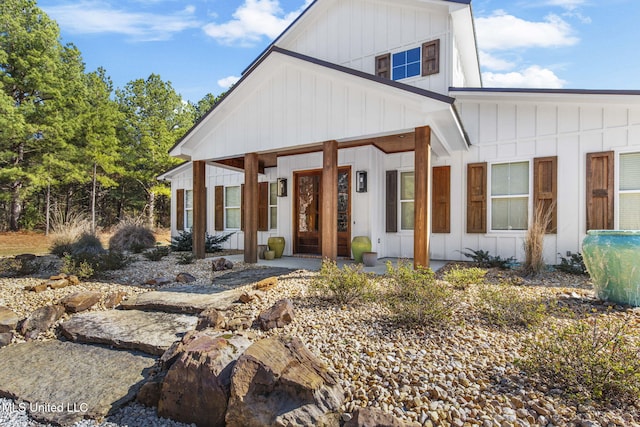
(87, 265)
(80, 268)
(343, 285)
(132, 236)
(186, 258)
(505, 305)
(460, 278)
(157, 253)
(184, 242)
(417, 297)
(590, 359)
(88, 243)
(572, 264)
(486, 260)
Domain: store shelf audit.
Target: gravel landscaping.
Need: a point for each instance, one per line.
(463, 374)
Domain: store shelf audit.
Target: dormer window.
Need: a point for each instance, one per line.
(419, 61)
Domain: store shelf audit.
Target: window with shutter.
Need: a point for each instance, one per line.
(383, 66)
(510, 196)
(600, 178)
(263, 206)
(219, 208)
(392, 201)
(545, 188)
(232, 207)
(477, 198)
(180, 209)
(441, 200)
(431, 58)
(273, 205)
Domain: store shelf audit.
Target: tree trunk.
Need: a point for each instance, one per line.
(15, 207)
(48, 210)
(93, 198)
(152, 208)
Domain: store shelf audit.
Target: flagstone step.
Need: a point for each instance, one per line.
(187, 299)
(64, 382)
(149, 332)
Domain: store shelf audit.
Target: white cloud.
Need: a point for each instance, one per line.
(93, 17)
(253, 20)
(502, 31)
(531, 77)
(227, 82)
(567, 4)
(492, 62)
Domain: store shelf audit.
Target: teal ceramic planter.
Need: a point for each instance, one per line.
(612, 258)
(359, 245)
(276, 244)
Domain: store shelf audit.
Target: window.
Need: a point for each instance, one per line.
(232, 200)
(188, 209)
(273, 205)
(407, 196)
(406, 64)
(629, 191)
(510, 196)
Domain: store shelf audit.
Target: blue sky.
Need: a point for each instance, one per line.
(202, 46)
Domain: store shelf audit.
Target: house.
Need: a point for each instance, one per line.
(368, 117)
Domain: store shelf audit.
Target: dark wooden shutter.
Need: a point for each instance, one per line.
(545, 188)
(263, 206)
(219, 208)
(477, 198)
(392, 202)
(242, 207)
(383, 66)
(180, 209)
(441, 200)
(431, 58)
(600, 190)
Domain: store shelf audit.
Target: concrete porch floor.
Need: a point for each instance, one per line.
(313, 264)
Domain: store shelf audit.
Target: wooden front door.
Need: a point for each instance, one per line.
(308, 191)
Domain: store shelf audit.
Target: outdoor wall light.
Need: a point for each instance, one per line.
(361, 181)
(282, 187)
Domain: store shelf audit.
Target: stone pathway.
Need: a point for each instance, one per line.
(112, 351)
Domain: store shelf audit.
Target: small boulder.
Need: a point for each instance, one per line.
(149, 393)
(159, 281)
(58, 283)
(266, 284)
(8, 320)
(185, 278)
(5, 338)
(221, 264)
(40, 320)
(73, 280)
(113, 299)
(279, 315)
(80, 301)
(246, 297)
(372, 417)
(239, 323)
(58, 276)
(196, 387)
(40, 287)
(278, 381)
(210, 318)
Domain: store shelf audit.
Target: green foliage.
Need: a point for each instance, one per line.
(81, 268)
(157, 253)
(132, 236)
(184, 242)
(416, 297)
(572, 264)
(591, 359)
(87, 264)
(506, 306)
(186, 258)
(460, 278)
(343, 285)
(486, 260)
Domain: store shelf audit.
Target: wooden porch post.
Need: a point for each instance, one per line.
(422, 211)
(250, 208)
(329, 200)
(199, 208)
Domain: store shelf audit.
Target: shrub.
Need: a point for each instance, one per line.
(186, 258)
(534, 241)
(157, 253)
(572, 264)
(506, 305)
(67, 230)
(80, 268)
(343, 285)
(184, 242)
(132, 236)
(591, 359)
(460, 278)
(87, 265)
(416, 297)
(485, 260)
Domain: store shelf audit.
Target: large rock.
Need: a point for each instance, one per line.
(279, 315)
(80, 301)
(189, 301)
(278, 381)
(40, 320)
(196, 387)
(5, 338)
(210, 318)
(150, 332)
(221, 264)
(8, 320)
(65, 382)
(372, 417)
